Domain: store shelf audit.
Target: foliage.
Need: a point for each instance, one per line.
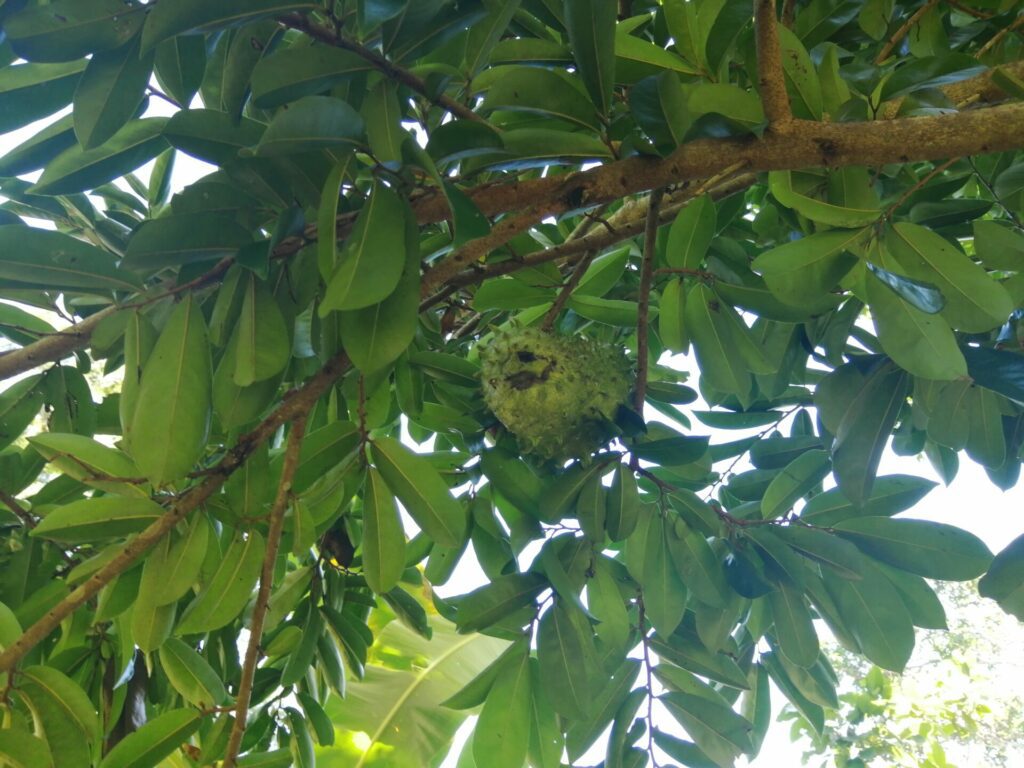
(948, 708)
(211, 564)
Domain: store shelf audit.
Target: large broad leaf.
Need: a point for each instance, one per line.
(1004, 581)
(565, 650)
(154, 741)
(664, 593)
(796, 480)
(974, 301)
(229, 589)
(65, 713)
(544, 91)
(46, 259)
(315, 122)
(190, 674)
(997, 370)
(187, 15)
(718, 730)
(502, 734)
(90, 461)
(70, 29)
(794, 627)
(874, 613)
(712, 337)
(211, 135)
(781, 183)
(289, 74)
(374, 255)
(920, 343)
(262, 338)
(863, 432)
(399, 709)
(23, 750)
(889, 494)
(421, 490)
(502, 597)
(168, 429)
(383, 542)
(691, 233)
(184, 239)
(109, 93)
(804, 270)
(40, 149)
(76, 169)
(591, 27)
(31, 91)
(99, 519)
(933, 550)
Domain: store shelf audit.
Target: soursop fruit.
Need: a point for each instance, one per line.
(557, 394)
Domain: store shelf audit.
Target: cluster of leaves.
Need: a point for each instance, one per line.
(384, 173)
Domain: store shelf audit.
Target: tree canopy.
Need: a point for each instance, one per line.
(479, 226)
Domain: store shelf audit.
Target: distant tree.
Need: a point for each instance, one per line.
(479, 225)
(951, 706)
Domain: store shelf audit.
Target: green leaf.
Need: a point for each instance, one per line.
(697, 564)
(421, 490)
(40, 149)
(31, 91)
(187, 15)
(922, 296)
(865, 428)
(663, 592)
(99, 519)
(671, 317)
(173, 566)
(781, 183)
(313, 122)
(796, 480)
(636, 57)
(179, 66)
(890, 494)
(919, 343)
(565, 653)
(228, 590)
(546, 740)
(1004, 581)
(262, 340)
(794, 628)
(492, 602)
(76, 170)
(89, 461)
(19, 404)
(802, 81)
(623, 504)
(374, 255)
(591, 28)
(288, 74)
(874, 613)
(542, 91)
(930, 72)
(43, 258)
(153, 741)
(933, 550)
(191, 675)
(612, 691)
(65, 713)
(211, 135)
(70, 29)
(718, 731)
(502, 733)
(974, 301)
(168, 430)
(803, 270)
(713, 343)
(109, 93)
(23, 750)
(824, 548)
(383, 544)
(691, 233)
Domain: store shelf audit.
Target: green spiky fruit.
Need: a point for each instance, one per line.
(557, 394)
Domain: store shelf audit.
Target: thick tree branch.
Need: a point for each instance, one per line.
(294, 404)
(394, 72)
(52, 348)
(771, 77)
(646, 280)
(259, 611)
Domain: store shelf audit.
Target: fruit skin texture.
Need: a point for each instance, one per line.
(557, 394)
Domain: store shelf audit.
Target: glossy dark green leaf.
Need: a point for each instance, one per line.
(43, 258)
(546, 91)
(70, 29)
(933, 550)
(31, 91)
(211, 135)
(314, 122)
(930, 72)
(40, 149)
(591, 27)
(564, 650)
(291, 73)
(179, 66)
(484, 606)
(109, 93)
(188, 15)
(421, 490)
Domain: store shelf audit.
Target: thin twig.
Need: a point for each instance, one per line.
(788, 13)
(643, 310)
(15, 506)
(968, 10)
(294, 403)
(392, 71)
(771, 77)
(1012, 214)
(998, 36)
(899, 34)
(567, 289)
(924, 180)
(259, 611)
